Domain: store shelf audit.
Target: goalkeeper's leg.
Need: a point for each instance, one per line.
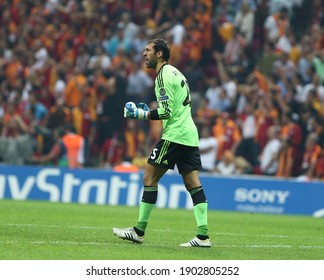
(152, 175)
(198, 196)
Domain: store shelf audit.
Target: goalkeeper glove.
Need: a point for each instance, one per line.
(132, 112)
(143, 106)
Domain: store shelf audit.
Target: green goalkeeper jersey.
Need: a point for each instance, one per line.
(174, 107)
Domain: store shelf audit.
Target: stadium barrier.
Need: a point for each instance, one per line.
(105, 187)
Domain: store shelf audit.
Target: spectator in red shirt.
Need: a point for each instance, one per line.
(311, 154)
(291, 131)
(227, 134)
(319, 168)
(112, 152)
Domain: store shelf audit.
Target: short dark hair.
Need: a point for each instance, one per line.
(283, 10)
(161, 45)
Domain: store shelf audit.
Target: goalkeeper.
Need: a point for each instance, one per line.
(178, 146)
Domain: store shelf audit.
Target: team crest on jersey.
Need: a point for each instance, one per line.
(162, 92)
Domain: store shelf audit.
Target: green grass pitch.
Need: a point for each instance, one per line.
(35, 230)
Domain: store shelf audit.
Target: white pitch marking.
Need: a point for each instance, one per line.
(162, 230)
(254, 246)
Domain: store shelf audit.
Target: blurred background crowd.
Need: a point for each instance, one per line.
(255, 70)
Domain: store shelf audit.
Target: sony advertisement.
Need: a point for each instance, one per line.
(245, 194)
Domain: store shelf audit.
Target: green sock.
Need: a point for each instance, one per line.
(147, 204)
(200, 211)
(144, 215)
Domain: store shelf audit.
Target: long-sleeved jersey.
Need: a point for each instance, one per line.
(174, 107)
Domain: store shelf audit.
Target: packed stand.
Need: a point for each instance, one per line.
(255, 70)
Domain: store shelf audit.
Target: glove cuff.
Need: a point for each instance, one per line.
(141, 114)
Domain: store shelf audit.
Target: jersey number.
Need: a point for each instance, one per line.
(187, 101)
(153, 155)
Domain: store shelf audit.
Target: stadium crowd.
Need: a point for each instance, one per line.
(255, 70)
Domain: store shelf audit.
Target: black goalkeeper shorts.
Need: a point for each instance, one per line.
(167, 154)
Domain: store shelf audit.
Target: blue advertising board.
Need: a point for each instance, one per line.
(103, 187)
